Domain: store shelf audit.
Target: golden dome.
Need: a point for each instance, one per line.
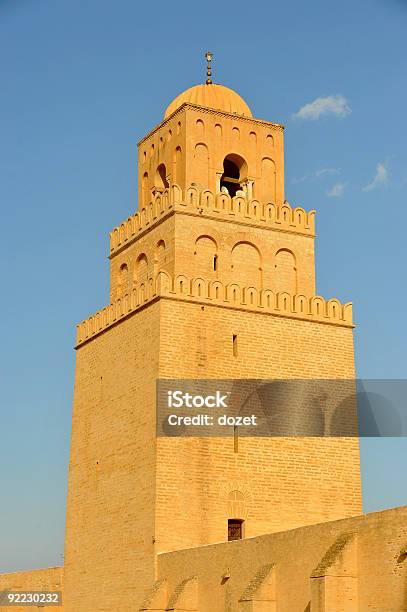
(213, 96)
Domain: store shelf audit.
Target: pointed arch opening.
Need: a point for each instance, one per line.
(160, 179)
(234, 174)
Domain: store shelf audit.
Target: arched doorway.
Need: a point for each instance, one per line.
(234, 173)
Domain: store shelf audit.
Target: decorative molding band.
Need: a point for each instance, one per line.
(220, 206)
(215, 293)
(210, 111)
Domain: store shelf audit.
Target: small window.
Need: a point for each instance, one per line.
(234, 345)
(215, 262)
(235, 529)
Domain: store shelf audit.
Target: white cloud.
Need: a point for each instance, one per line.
(381, 177)
(324, 105)
(336, 190)
(317, 174)
(327, 171)
(295, 181)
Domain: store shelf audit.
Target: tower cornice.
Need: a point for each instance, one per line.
(210, 111)
(232, 295)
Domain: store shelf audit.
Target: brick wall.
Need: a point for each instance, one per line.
(352, 565)
(48, 579)
(109, 548)
(285, 482)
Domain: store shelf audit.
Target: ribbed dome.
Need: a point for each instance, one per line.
(213, 96)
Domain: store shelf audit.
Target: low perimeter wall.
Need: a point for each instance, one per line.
(48, 579)
(357, 564)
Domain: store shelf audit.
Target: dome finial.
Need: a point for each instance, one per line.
(208, 57)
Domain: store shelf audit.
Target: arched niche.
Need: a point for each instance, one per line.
(160, 256)
(268, 177)
(123, 280)
(177, 166)
(270, 141)
(201, 165)
(200, 127)
(218, 130)
(141, 269)
(206, 260)
(285, 272)
(246, 264)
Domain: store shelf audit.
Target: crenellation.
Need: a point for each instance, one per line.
(207, 204)
(232, 295)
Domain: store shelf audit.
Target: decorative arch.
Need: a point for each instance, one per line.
(268, 177)
(270, 141)
(141, 269)
(206, 260)
(236, 498)
(285, 272)
(162, 282)
(181, 284)
(246, 264)
(159, 255)
(177, 166)
(200, 126)
(201, 164)
(235, 134)
(123, 280)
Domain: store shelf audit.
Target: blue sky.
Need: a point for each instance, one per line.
(81, 82)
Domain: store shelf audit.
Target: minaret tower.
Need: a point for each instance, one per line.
(213, 277)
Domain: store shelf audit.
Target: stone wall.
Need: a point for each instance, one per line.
(352, 565)
(48, 579)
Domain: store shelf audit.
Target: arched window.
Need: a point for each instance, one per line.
(177, 167)
(123, 281)
(234, 173)
(144, 190)
(160, 180)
